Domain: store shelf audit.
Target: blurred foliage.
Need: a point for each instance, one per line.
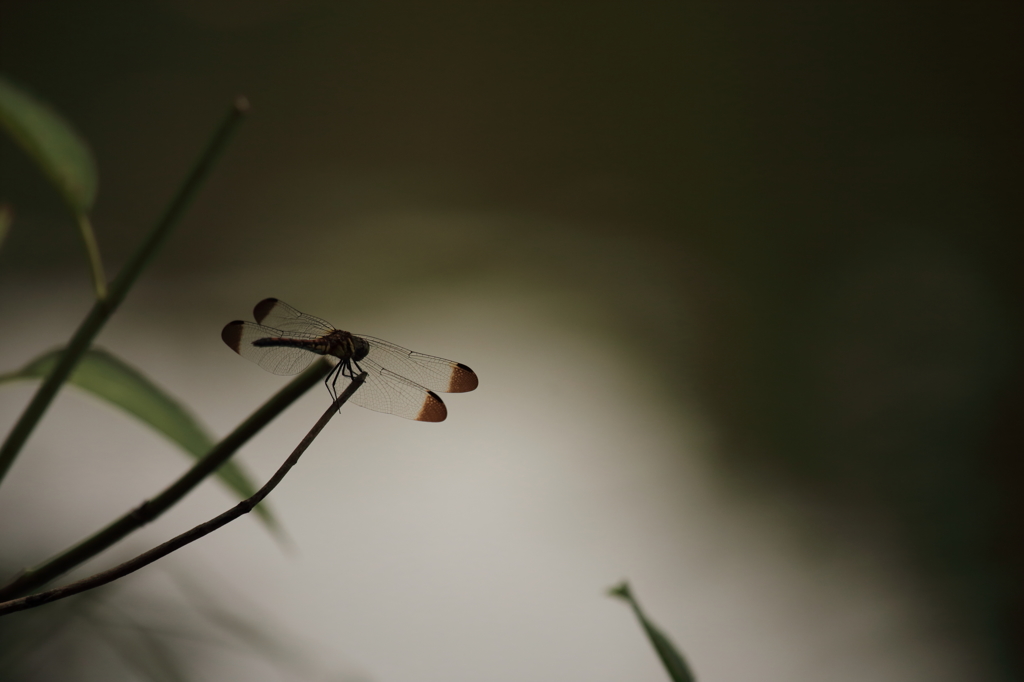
(117, 633)
(88, 639)
(52, 143)
(112, 380)
(62, 156)
(33, 645)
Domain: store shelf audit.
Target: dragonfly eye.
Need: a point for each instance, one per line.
(359, 348)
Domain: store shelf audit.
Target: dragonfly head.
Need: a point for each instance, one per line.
(359, 348)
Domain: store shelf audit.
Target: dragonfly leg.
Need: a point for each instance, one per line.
(331, 382)
(342, 370)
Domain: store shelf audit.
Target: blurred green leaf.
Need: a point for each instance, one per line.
(52, 143)
(62, 156)
(670, 657)
(107, 377)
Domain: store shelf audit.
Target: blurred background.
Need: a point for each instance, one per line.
(740, 280)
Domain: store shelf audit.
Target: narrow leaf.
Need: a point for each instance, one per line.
(123, 386)
(52, 143)
(670, 657)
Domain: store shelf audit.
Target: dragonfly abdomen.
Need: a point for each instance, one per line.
(320, 346)
(341, 345)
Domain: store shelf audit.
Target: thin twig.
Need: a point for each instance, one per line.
(203, 529)
(104, 308)
(35, 577)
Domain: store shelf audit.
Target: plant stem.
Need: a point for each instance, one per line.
(105, 307)
(203, 529)
(92, 251)
(33, 578)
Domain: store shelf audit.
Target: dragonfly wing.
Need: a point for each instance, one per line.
(239, 335)
(277, 314)
(433, 373)
(389, 393)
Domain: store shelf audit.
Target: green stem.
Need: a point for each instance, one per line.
(92, 251)
(105, 307)
(202, 530)
(37, 576)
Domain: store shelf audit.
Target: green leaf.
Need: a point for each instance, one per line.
(52, 143)
(670, 657)
(110, 379)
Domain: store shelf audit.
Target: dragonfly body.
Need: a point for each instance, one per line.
(399, 381)
(342, 345)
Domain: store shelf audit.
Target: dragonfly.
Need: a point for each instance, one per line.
(398, 381)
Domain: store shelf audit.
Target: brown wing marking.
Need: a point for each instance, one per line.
(389, 393)
(463, 379)
(428, 371)
(239, 337)
(433, 409)
(232, 334)
(273, 312)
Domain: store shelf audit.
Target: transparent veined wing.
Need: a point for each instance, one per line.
(389, 393)
(284, 340)
(277, 314)
(239, 335)
(436, 374)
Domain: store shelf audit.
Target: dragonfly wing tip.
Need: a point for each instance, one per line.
(433, 409)
(463, 379)
(263, 309)
(232, 334)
